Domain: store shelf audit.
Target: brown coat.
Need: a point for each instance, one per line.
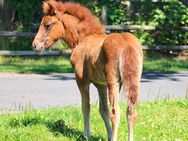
(107, 61)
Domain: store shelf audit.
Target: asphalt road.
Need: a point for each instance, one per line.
(25, 91)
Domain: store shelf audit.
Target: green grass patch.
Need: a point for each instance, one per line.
(165, 62)
(46, 65)
(165, 66)
(157, 121)
(40, 65)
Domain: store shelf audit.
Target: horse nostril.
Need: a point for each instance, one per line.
(34, 46)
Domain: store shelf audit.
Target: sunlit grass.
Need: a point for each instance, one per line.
(43, 65)
(165, 66)
(157, 121)
(46, 65)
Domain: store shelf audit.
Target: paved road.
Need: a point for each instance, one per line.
(23, 91)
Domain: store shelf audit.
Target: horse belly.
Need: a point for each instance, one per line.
(98, 76)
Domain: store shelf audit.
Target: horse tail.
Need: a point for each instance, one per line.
(132, 61)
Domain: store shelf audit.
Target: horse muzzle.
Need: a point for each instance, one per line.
(38, 46)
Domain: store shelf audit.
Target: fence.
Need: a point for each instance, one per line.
(6, 13)
(108, 28)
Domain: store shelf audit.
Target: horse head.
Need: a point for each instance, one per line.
(51, 29)
(68, 21)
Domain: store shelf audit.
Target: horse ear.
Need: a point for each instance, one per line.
(48, 9)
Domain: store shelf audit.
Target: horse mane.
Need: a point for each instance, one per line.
(88, 23)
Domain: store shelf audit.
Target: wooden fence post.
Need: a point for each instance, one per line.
(104, 15)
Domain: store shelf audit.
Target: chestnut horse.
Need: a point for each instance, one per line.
(107, 61)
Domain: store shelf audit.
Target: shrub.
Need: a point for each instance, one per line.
(166, 16)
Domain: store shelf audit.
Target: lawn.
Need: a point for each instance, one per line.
(155, 65)
(157, 121)
(46, 65)
(40, 65)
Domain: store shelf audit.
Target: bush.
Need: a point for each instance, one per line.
(167, 21)
(27, 13)
(166, 16)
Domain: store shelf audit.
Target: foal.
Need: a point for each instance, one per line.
(107, 61)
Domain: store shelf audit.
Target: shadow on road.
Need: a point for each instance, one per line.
(66, 76)
(148, 77)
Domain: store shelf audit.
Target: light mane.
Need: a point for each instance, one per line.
(88, 23)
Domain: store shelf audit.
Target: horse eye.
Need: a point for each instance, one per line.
(48, 25)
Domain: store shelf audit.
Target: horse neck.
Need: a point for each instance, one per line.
(71, 37)
(76, 31)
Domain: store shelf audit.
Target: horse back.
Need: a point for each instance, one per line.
(122, 45)
(116, 42)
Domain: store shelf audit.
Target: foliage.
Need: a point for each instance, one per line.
(162, 120)
(26, 19)
(167, 16)
(27, 12)
(167, 21)
(13, 43)
(116, 9)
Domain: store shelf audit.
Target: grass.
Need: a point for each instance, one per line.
(165, 62)
(44, 65)
(157, 121)
(165, 66)
(40, 65)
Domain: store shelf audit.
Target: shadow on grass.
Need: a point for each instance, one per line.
(59, 127)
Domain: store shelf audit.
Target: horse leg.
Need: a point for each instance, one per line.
(103, 108)
(132, 86)
(114, 109)
(112, 78)
(84, 90)
(131, 118)
(132, 98)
